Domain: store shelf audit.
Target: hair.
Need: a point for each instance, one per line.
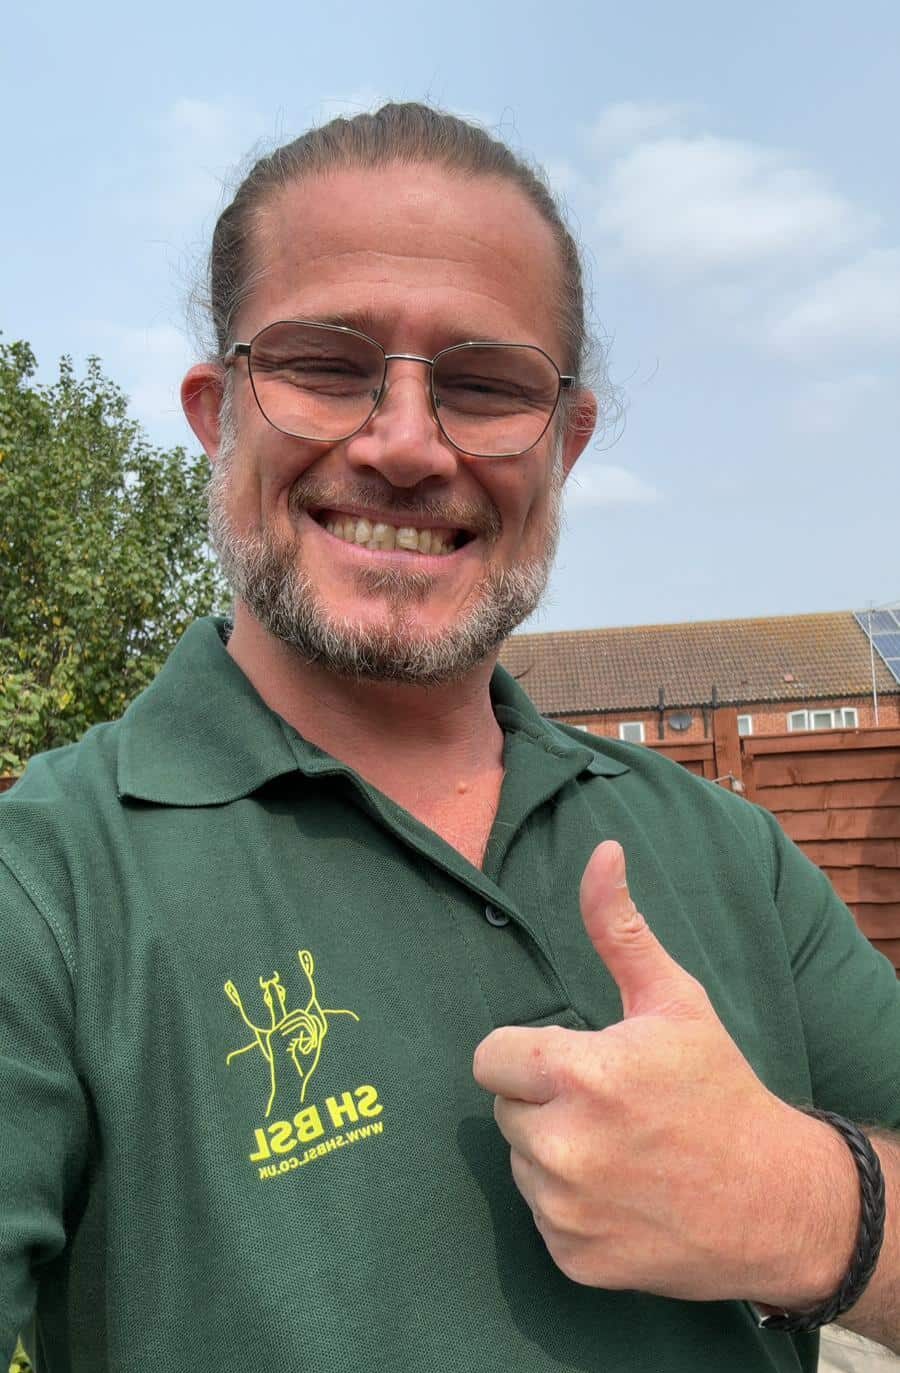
(406, 133)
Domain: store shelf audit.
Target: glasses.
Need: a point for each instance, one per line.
(324, 382)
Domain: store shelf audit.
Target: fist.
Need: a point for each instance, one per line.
(650, 1153)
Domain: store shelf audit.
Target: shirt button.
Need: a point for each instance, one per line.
(495, 917)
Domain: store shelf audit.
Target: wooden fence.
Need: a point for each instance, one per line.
(835, 792)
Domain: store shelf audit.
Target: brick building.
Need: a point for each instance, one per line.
(651, 682)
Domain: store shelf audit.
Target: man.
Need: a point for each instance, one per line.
(255, 931)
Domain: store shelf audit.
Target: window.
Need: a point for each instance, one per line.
(632, 731)
(745, 724)
(843, 717)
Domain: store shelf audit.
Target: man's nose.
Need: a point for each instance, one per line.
(403, 441)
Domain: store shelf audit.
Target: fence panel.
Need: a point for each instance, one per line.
(835, 792)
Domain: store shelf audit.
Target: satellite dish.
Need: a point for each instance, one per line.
(682, 720)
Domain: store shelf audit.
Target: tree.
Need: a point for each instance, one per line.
(103, 554)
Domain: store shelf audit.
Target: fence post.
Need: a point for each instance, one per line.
(727, 746)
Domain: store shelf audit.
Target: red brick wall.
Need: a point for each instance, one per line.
(767, 718)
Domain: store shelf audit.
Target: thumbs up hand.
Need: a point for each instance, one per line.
(651, 1155)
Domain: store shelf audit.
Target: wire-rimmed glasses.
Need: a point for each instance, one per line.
(324, 382)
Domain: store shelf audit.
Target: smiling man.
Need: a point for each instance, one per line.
(403, 494)
(330, 1027)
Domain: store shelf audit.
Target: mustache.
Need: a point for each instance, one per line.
(311, 492)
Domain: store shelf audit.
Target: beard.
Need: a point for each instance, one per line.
(264, 572)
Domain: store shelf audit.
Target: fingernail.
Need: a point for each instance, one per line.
(618, 867)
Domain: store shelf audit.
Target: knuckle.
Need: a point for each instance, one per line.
(631, 921)
(694, 996)
(574, 1261)
(487, 1053)
(551, 1153)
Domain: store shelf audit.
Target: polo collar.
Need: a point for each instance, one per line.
(201, 735)
(516, 711)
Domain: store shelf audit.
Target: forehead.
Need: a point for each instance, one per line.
(425, 254)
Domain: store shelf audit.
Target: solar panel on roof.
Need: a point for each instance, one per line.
(882, 627)
(883, 621)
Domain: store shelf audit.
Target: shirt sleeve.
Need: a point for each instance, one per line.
(44, 1116)
(848, 993)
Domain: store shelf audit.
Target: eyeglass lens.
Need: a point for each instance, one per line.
(316, 382)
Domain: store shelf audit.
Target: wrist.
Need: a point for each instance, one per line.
(868, 1238)
(819, 1212)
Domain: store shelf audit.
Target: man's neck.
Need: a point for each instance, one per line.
(410, 741)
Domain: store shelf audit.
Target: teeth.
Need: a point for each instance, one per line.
(383, 537)
(386, 537)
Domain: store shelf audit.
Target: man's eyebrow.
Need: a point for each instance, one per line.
(360, 320)
(364, 322)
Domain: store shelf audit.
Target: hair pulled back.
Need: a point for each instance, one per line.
(395, 133)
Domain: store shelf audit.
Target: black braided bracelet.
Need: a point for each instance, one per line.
(868, 1240)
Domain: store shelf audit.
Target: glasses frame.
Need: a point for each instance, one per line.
(244, 350)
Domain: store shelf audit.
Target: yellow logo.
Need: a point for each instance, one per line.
(296, 1035)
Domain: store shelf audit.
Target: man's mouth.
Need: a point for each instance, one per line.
(378, 535)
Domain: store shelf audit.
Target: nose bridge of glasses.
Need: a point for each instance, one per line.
(408, 357)
(389, 385)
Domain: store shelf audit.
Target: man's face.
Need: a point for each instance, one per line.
(418, 259)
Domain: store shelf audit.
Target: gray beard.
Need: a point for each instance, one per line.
(263, 573)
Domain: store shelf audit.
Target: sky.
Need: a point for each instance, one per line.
(730, 172)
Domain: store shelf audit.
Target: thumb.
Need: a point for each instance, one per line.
(648, 979)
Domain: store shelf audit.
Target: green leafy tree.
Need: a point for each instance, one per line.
(103, 554)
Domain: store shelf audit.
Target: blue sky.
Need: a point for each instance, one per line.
(731, 172)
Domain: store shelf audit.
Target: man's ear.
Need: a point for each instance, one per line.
(581, 422)
(201, 400)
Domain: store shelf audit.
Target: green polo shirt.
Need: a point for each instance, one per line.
(240, 991)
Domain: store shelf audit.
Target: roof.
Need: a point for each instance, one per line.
(778, 658)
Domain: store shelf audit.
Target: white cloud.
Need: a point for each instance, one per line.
(835, 405)
(695, 206)
(631, 122)
(196, 121)
(563, 176)
(201, 150)
(761, 242)
(856, 306)
(149, 363)
(607, 486)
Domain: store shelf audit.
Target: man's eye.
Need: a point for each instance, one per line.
(484, 385)
(305, 366)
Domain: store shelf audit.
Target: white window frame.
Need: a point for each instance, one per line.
(748, 730)
(631, 724)
(840, 717)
